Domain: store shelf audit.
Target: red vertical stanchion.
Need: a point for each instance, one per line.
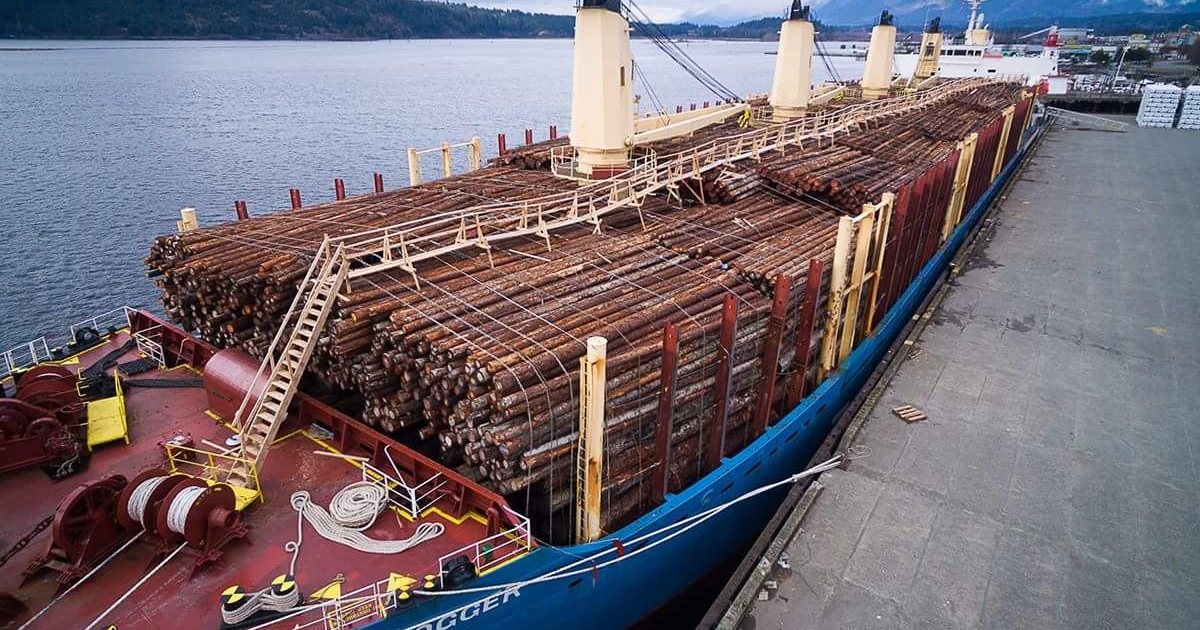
(932, 236)
(666, 412)
(894, 253)
(554, 132)
(378, 182)
(501, 144)
(807, 317)
(294, 193)
(945, 188)
(1014, 129)
(528, 136)
(715, 437)
(770, 356)
(920, 225)
(239, 207)
(339, 189)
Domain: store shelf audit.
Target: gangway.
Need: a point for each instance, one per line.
(284, 363)
(403, 245)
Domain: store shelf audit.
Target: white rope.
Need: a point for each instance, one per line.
(677, 528)
(135, 587)
(140, 496)
(62, 595)
(353, 510)
(265, 599)
(357, 505)
(182, 504)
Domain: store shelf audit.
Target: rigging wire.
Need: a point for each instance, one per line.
(652, 31)
(819, 45)
(660, 110)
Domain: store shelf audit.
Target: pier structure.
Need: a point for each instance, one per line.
(1051, 474)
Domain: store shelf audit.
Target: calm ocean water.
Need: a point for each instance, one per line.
(101, 143)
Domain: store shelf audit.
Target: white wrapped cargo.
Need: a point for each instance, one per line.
(1160, 102)
(1189, 114)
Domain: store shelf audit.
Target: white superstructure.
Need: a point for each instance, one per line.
(976, 54)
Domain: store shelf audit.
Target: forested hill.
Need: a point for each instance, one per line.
(271, 19)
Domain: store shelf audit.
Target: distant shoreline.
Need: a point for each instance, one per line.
(102, 38)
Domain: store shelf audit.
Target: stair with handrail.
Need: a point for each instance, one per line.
(309, 310)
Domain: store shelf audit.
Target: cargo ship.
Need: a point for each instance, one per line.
(556, 389)
(976, 53)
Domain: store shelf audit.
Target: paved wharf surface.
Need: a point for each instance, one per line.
(1055, 483)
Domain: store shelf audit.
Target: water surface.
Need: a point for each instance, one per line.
(101, 143)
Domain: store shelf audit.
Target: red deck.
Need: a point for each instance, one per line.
(173, 600)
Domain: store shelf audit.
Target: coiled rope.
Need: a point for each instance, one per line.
(351, 511)
(266, 599)
(140, 496)
(181, 505)
(357, 505)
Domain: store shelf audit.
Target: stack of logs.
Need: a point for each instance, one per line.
(232, 283)
(534, 157)
(482, 358)
(856, 169)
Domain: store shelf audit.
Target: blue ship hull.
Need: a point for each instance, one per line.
(600, 587)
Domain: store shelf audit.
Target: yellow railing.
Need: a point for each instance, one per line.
(213, 467)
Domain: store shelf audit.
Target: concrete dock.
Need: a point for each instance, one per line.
(1056, 481)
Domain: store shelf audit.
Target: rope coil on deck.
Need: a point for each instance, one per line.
(237, 607)
(357, 505)
(351, 511)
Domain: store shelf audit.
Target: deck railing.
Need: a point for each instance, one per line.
(411, 499)
(211, 466)
(496, 549)
(149, 343)
(42, 349)
(406, 243)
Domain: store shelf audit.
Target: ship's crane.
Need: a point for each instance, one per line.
(1051, 35)
(1038, 32)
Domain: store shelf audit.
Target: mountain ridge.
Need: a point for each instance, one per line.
(996, 12)
(399, 19)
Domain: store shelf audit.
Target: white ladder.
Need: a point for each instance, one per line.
(582, 487)
(306, 317)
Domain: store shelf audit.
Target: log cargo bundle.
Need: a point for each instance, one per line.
(478, 363)
(852, 170)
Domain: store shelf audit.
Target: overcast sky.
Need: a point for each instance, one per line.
(714, 11)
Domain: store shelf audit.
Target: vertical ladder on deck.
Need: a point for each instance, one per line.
(581, 456)
(590, 451)
(284, 363)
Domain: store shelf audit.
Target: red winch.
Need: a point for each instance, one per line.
(170, 510)
(40, 425)
(85, 530)
(178, 509)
